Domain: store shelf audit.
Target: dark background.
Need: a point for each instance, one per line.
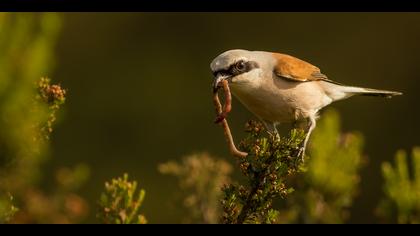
(139, 89)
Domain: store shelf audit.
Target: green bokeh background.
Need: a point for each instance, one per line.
(139, 89)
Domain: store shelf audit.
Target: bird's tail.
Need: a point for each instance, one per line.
(370, 92)
(338, 91)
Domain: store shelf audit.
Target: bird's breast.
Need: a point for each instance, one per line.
(280, 101)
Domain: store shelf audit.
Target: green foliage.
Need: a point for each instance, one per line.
(270, 160)
(53, 96)
(402, 192)
(325, 191)
(325, 186)
(59, 205)
(28, 110)
(72, 179)
(26, 45)
(120, 203)
(201, 178)
(7, 208)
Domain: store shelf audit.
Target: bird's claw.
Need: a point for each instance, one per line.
(301, 154)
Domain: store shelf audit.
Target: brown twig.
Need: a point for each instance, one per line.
(221, 118)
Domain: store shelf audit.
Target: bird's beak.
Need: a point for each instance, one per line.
(219, 78)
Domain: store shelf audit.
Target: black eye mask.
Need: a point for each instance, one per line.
(237, 68)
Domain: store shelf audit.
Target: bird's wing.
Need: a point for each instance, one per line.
(294, 69)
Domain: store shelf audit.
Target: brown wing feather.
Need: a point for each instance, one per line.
(298, 70)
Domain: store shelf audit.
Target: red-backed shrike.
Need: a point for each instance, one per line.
(279, 88)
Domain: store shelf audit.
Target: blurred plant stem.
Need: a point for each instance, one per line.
(269, 161)
(325, 190)
(402, 192)
(28, 109)
(325, 185)
(120, 203)
(201, 178)
(7, 207)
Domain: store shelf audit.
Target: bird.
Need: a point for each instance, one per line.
(279, 88)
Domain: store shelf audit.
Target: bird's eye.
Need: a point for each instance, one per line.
(240, 66)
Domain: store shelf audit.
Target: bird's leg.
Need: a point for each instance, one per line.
(271, 128)
(311, 127)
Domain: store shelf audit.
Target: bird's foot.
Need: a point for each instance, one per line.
(301, 154)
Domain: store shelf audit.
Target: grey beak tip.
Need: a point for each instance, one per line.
(216, 83)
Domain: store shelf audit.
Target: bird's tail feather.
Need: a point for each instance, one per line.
(338, 91)
(371, 92)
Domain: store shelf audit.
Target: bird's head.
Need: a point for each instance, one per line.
(241, 67)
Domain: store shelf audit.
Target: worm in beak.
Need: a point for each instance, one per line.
(217, 80)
